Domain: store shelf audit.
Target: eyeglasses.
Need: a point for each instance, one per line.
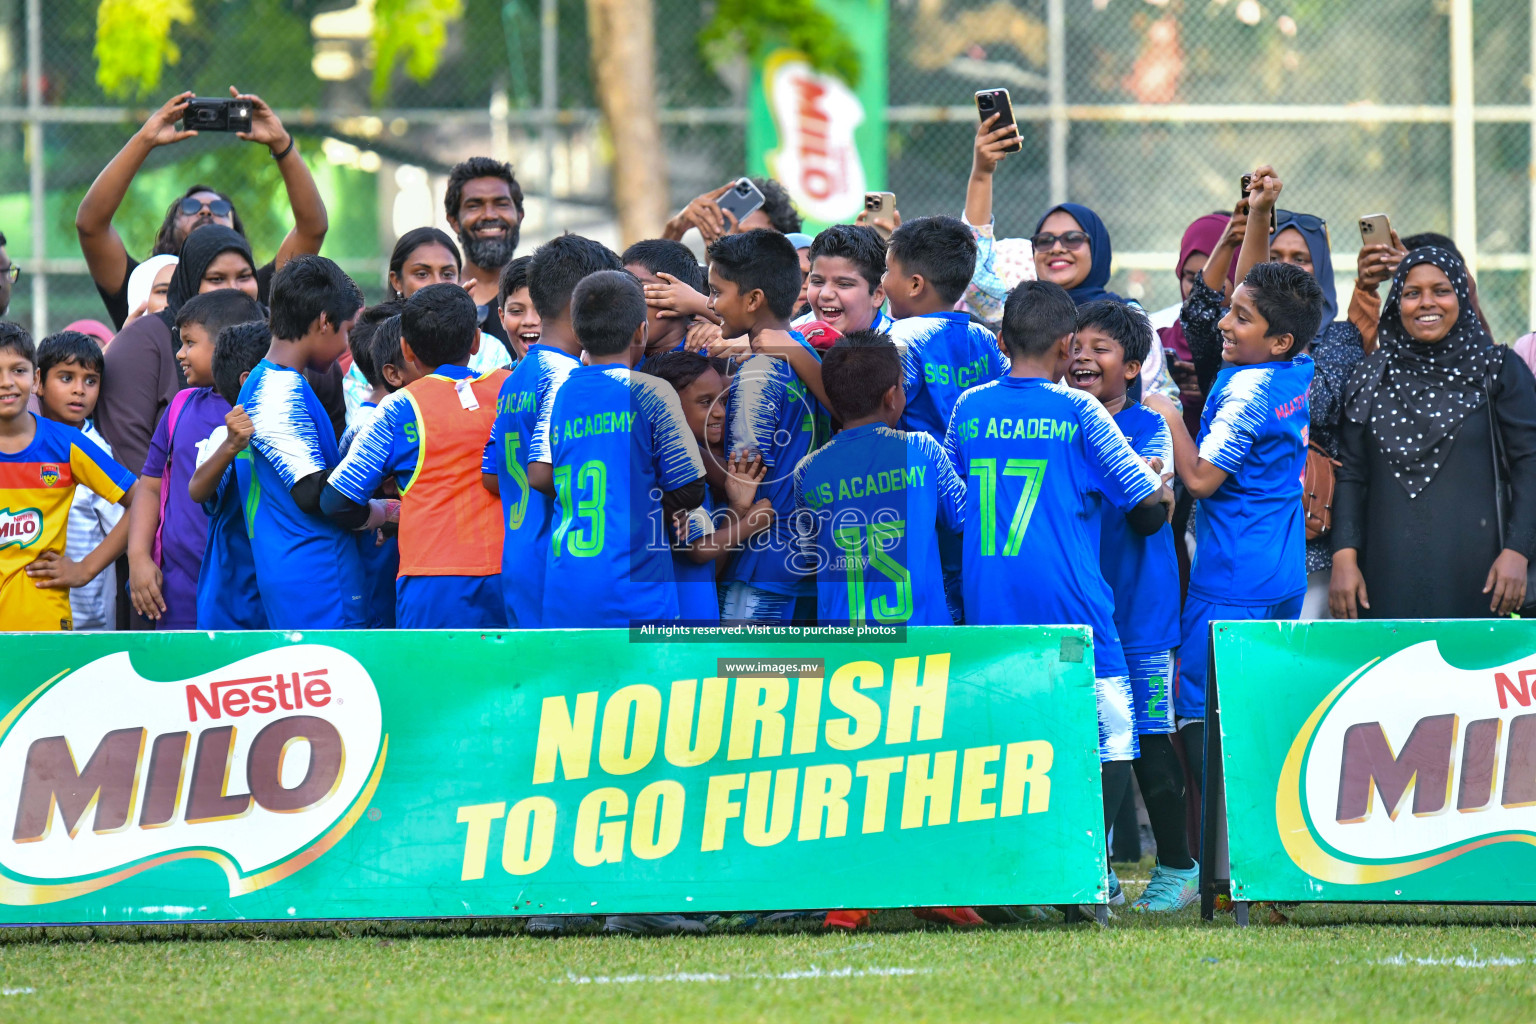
(192, 206)
(13, 272)
(1045, 242)
(1304, 221)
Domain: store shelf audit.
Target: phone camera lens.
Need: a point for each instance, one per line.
(986, 103)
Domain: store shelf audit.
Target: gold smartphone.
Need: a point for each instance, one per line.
(880, 204)
(1375, 229)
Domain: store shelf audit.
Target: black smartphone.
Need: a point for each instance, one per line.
(206, 114)
(743, 199)
(1247, 181)
(996, 101)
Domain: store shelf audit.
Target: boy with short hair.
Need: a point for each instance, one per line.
(668, 267)
(701, 390)
(518, 317)
(944, 353)
(41, 461)
(1250, 536)
(69, 370)
(845, 285)
(227, 594)
(168, 531)
(773, 410)
(307, 567)
(873, 495)
(1143, 573)
(508, 467)
(429, 436)
(617, 439)
(1040, 461)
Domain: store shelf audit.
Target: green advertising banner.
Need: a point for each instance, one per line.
(261, 776)
(821, 137)
(1379, 761)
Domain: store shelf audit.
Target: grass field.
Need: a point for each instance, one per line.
(1327, 963)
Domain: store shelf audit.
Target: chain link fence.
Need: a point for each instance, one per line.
(1145, 110)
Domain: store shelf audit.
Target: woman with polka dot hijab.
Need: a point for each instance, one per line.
(1417, 528)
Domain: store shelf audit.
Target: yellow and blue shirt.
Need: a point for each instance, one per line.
(37, 487)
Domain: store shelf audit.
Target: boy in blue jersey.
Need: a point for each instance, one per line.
(507, 467)
(307, 567)
(774, 410)
(845, 286)
(1041, 461)
(927, 269)
(739, 512)
(1143, 573)
(1246, 469)
(429, 436)
(873, 496)
(624, 464)
(944, 353)
(227, 593)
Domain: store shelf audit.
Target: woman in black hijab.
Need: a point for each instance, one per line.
(1436, 423)
(141, 375)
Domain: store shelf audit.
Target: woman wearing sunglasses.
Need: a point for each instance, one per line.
(1300, 239)
(107, 257)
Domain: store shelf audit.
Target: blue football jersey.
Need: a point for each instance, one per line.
(1040, 460)
(1250, 536)
(943, 355)
(1143, 572)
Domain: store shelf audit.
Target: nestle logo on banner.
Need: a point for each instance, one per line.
(1454, 748)
(105, 773)
(818, 157)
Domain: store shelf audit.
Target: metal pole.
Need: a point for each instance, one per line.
(549, 98)
(1463, 135)
(1530, 176)
(1056, 82)
(36, 182)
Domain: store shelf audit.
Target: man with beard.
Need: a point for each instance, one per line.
(484, 204)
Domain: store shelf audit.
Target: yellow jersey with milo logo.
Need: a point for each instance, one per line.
(37, 486)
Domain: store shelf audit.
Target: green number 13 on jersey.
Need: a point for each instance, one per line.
(984, 475)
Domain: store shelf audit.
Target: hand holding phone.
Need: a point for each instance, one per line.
(880, 213)
(1249, 189)
(741, 201)
(1380, 252)
(996, 101)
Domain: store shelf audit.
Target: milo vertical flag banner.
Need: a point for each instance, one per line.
(1380, 761)
(261, 776)
(821, 137)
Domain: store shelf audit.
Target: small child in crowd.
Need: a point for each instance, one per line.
(1143, 573)
(227, 594)
(168, 532)
(429, 436)
(874, 496)
(41, 462)
(307, 566)
(1040, 461)
(773, 411)
(508, 465)
(518, 317)
(69, 372)
(1246, 470)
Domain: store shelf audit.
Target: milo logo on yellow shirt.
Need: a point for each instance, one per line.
(21, 527)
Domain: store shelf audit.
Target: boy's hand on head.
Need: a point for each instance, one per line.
(674, 299)
(144, 583)
(55, 571)
(1264, 189)
(702, 337)
(239, 429)
(992, 145)
(743, 473)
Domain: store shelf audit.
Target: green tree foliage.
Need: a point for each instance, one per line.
(412, 31)
(742, 27)
(134, 44)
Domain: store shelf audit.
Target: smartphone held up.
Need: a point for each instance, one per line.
(996, 101)
(1247, 185)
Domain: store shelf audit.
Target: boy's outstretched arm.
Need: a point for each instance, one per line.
(205, 479)
(800, 358)
(1201, 478)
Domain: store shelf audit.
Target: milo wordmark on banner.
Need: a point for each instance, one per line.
(191, 776)
(1380, 761)
(821, 137)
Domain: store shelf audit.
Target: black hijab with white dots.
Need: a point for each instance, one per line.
(1415, 396)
